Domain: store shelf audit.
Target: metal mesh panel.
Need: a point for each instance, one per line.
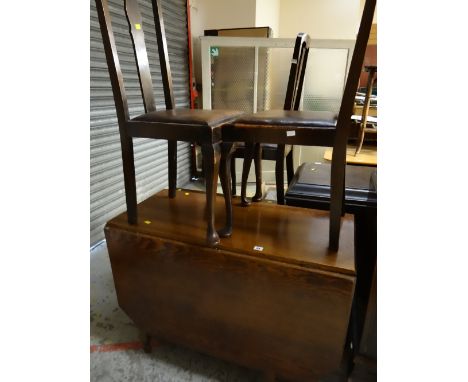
(278, 65)
(325, 79)
(232, 78)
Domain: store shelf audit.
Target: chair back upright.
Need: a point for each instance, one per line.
(135, 22)
(297, 72)
(163, 54)
(136, 30)
(113, 64)
(338, 164)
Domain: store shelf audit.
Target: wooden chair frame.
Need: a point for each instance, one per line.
(277, 153)
(313, 135)
(172, 124)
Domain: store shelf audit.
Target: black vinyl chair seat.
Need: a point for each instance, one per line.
(294, 118)
(208, 118)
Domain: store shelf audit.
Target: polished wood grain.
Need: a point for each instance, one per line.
(293, 235)
(342, 127)
(283, 310)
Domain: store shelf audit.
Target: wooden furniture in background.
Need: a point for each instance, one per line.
(272, 297)
(372, 73)
(173, 124)
(367, 156)
(312, 128)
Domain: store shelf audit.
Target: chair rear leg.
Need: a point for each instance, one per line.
(258, 173)
(279, 173)
(128, 164)
(290, 166)
(172, 160)
(248, 155)
(233, 175)
(211, 157)
(227, 149)
(337, 182)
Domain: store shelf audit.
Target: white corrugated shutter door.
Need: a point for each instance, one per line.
(107, 187)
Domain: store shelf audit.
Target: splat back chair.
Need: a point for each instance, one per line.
(173, 124)
(266, 151)
(313, 128)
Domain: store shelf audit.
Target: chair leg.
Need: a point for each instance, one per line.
(279, 172)
(290, 165)
(248, 155)
(258, 173)
(147, 348)
(172, 160)
(337, 184)
(128, 164)
(227, 149)
(233, 176)
(360, 139)
(211, 156)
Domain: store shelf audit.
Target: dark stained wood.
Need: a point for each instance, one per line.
(294, 235)
(283, 310)
(342, 127)
(135, 23)
(163, 54)
(368, 344)
(302, 42)
(172, 161)
(315, 134)
(227, 150)
(310, 188)
(248, 156)
(279, 174)
(258, 156)
(203, 127)
(211, 159)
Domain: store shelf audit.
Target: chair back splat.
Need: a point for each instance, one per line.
(135, 23)
(338, 165)
(163, 55)
(173, 124)
(295, 73)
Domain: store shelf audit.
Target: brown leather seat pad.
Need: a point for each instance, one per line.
(290, 118)
(209, 118)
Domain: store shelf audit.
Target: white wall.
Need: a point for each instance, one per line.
(320, 18)
(217, 14)
(267, 14)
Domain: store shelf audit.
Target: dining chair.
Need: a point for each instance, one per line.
(269, 151)
(312, 128)
(173, 124)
